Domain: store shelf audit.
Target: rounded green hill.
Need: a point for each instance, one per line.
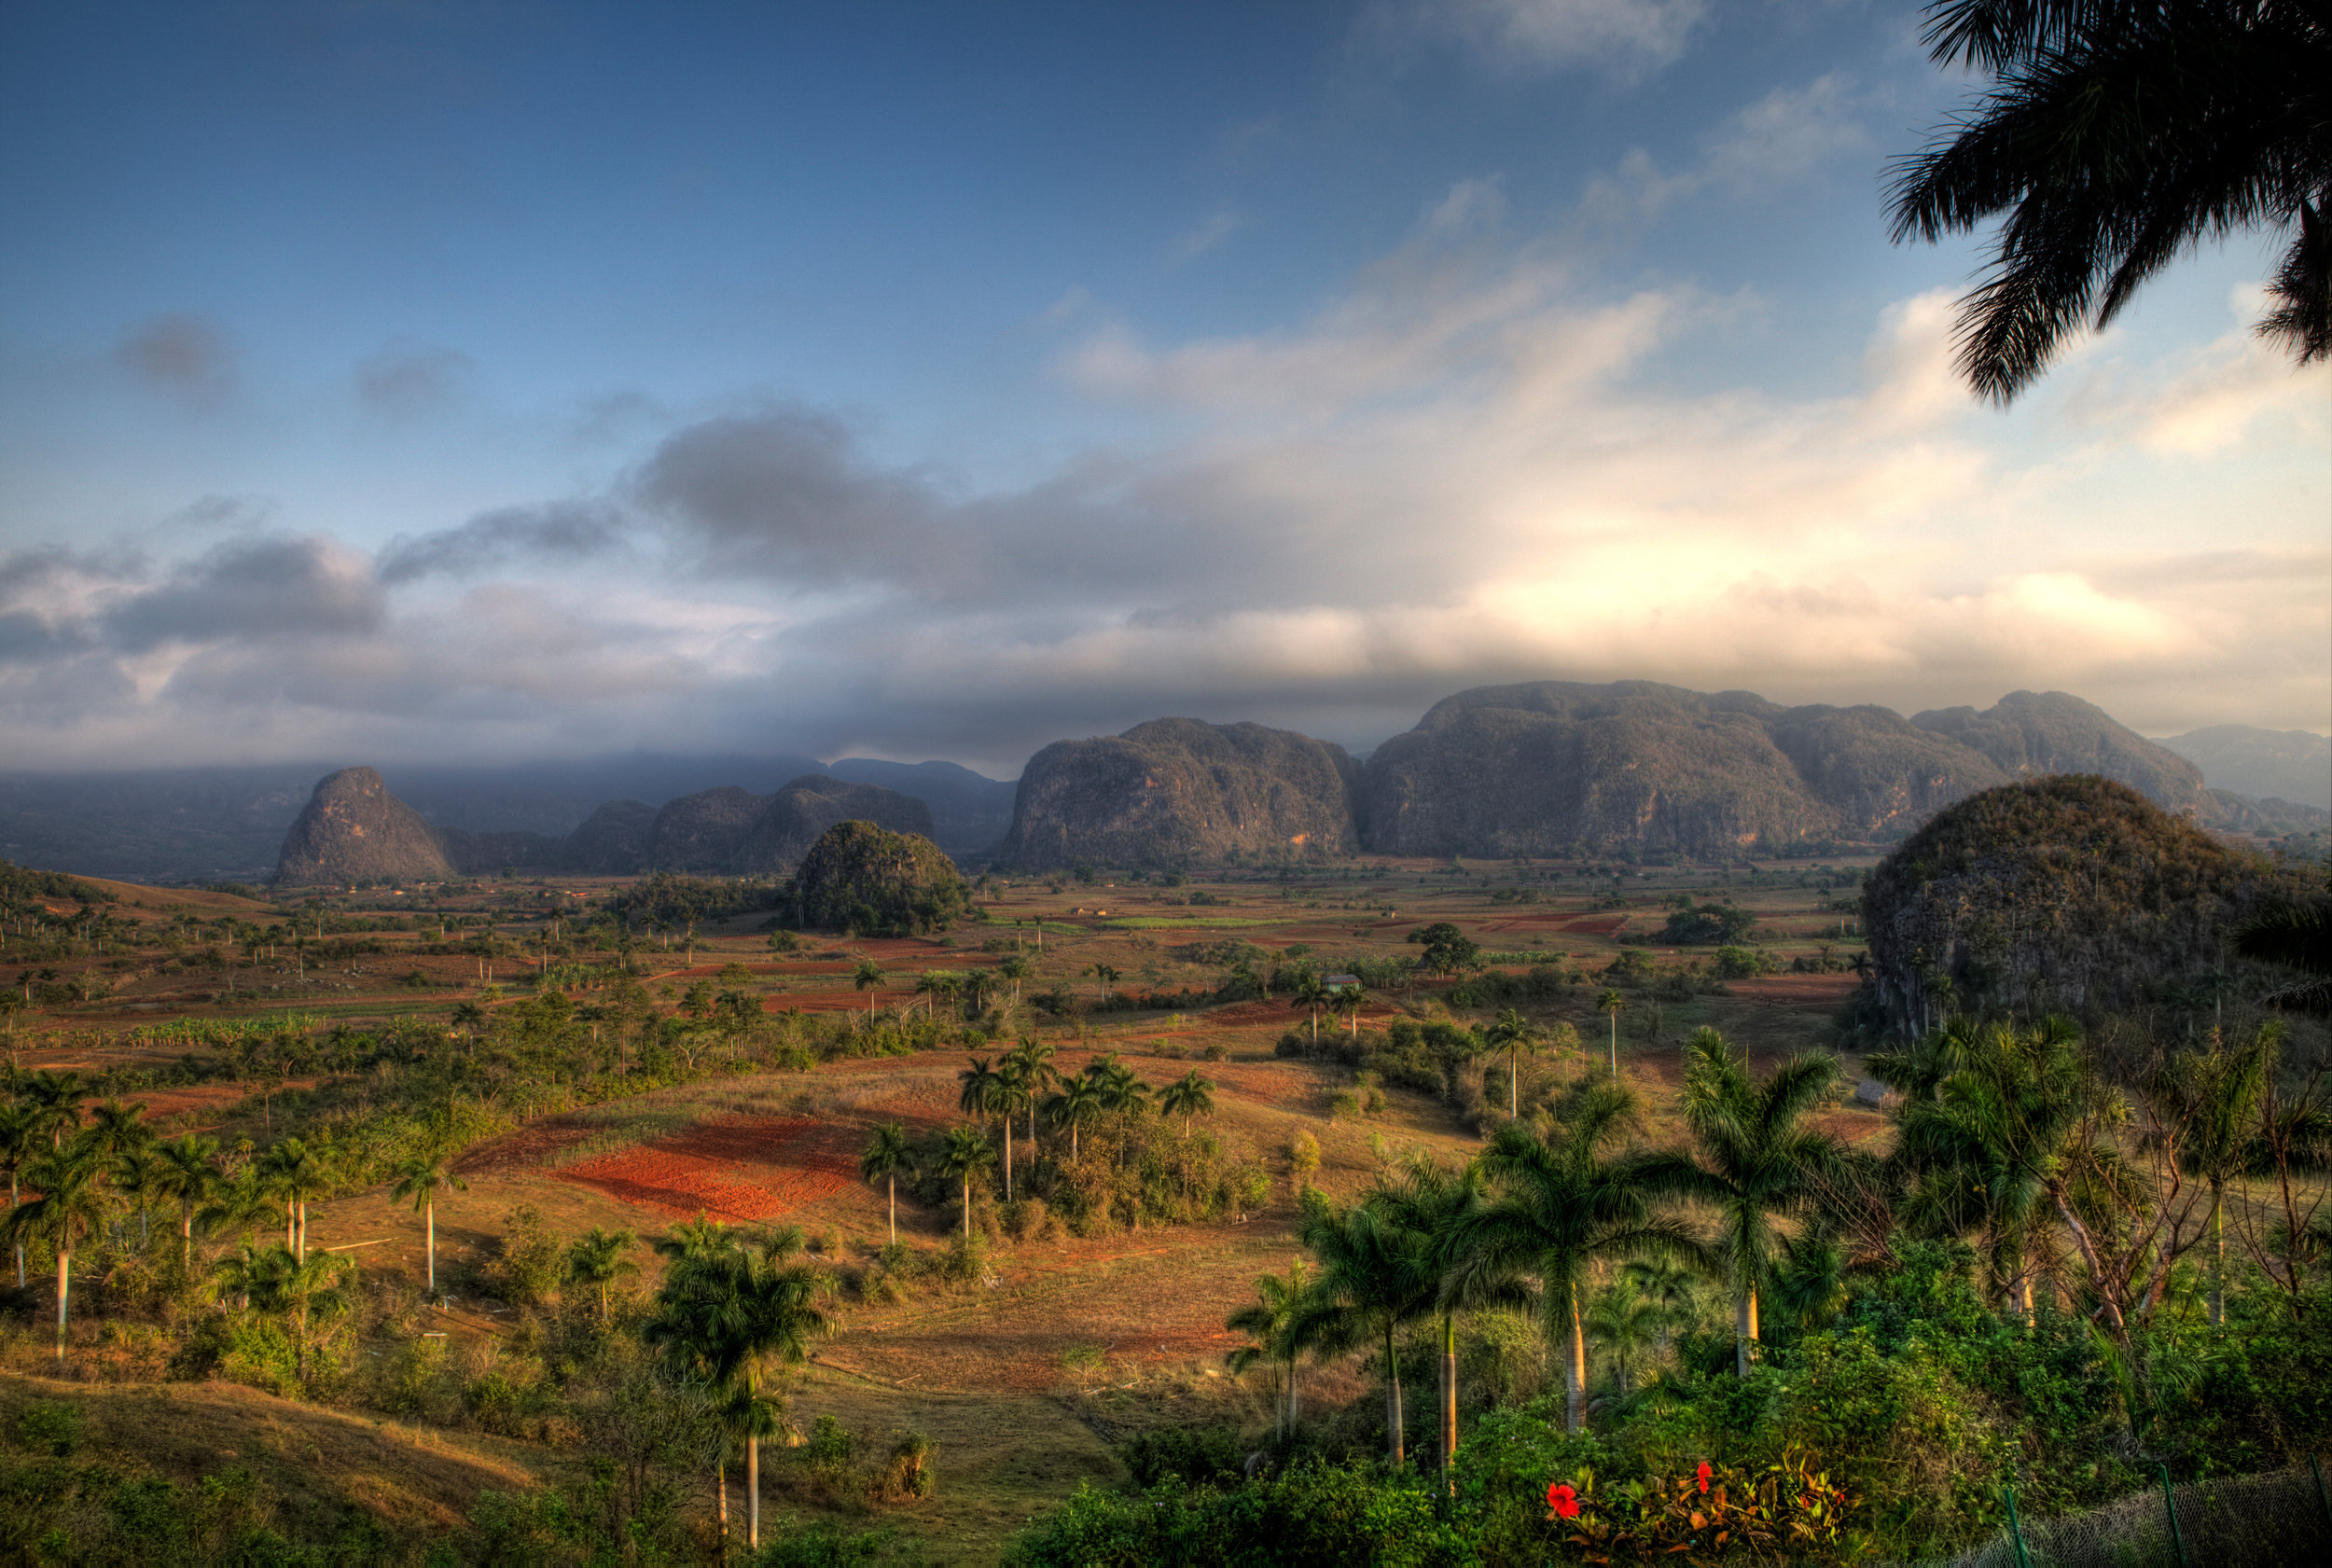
(871, 881)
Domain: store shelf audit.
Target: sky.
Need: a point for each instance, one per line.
(389, 381)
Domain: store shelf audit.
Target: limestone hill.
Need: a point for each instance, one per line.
(353, 829)
(1554, 768)
(1178, 789)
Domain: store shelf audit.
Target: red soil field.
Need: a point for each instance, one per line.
(1586, 925)
(741, 1168)
(1802, 991)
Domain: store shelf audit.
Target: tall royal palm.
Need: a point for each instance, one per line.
(1513, 1034)
(968, 1152)
(730, 1312)
(1376, 1275)
(21, 1135)
(70, 1206)
(1080, 1101)
(1270, 1324)
(1187, 1096)
(1756, 1153)
(2211, 1102)
(1567, 1197)
(887, 1154)
(1439, 1203)
(2118, 134)
(297, 1173)
(1032, 1059)
(419, 1181)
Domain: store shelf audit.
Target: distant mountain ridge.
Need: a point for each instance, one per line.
(2292, 766)
(353, 829)
(1558, 768)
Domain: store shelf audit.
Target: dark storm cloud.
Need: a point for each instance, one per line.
(565, 530)
(181, 355)
(250, 590)
(785, 491)
(408, 381)
(788, 494)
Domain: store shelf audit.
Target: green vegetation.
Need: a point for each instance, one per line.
(867, 879)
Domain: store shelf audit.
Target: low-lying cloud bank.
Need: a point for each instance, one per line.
(1464, 470)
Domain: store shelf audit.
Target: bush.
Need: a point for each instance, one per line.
(1194, 1455)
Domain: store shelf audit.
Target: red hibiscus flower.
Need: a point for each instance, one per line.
(1703, 1473)
(1564, 1500)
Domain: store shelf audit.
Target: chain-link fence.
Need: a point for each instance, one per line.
(2276, 1518)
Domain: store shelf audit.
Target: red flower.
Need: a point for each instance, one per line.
(1703, 1473)
(1562, 1500)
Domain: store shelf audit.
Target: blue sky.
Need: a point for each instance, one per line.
(403, 380)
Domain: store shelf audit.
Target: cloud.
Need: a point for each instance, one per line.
(1218, 226)
(562, 531)
(1789, 134)
(1623, 38)
(1467, 467)
(184, 355)
(403, 380)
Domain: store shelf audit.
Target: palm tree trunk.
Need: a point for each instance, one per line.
(1007, 1156)
(20, 1241)
(1393, 1422)
(753, 1492)
(432, 1249)
(1291, 1396)
(1514, 1075)
(1745, 1329)
(1574, 1368)
(720, 1473)
(186, 1236)
(1448, 1400)
(291, 1226)
(2218, 1253)
(65, 1294)
(967, 1208)
(892, 1183)
(303, 1230)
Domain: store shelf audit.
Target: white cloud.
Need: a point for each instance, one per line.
(1464, 468)
(1621, 38)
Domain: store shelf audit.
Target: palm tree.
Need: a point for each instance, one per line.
(1513, 1031)
(1628, 1327)
(242, 1272)
(1119, 1088)
(725, 1312)
(136, 1172)
(1668, 1285)
(117, 1129)
(297, 1175)
(1033, 1060)
(596, 1258)
(56, 1100)
(70, 1207)
(190, 1174)
(20, 1132)
(979, 1088)
(1078, 1102)
(887, 1154)
(1611, 1002)
(1187, 1096)
(1012, 1090)
(301, 1289)
(1103, 975)
(1439, 1203)
(421, 1178)
(867, 977)
(1376, 1275)
(1015, 968)
(1564, 1202)
(2116, 137)
(1310, 996)
(1966, 1163)
(1349, 999)
(2211, 1102)
(1756, 1154)
(967, 1154)
(1268, 1322)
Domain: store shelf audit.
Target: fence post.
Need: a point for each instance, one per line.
(2016, 1530)
(2169, 1506)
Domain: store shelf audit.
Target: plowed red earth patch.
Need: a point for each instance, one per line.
(741, 1168)
(1804, 991)
(528, 1148)
(1586, 925)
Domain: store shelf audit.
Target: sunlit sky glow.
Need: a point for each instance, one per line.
(401, 381)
